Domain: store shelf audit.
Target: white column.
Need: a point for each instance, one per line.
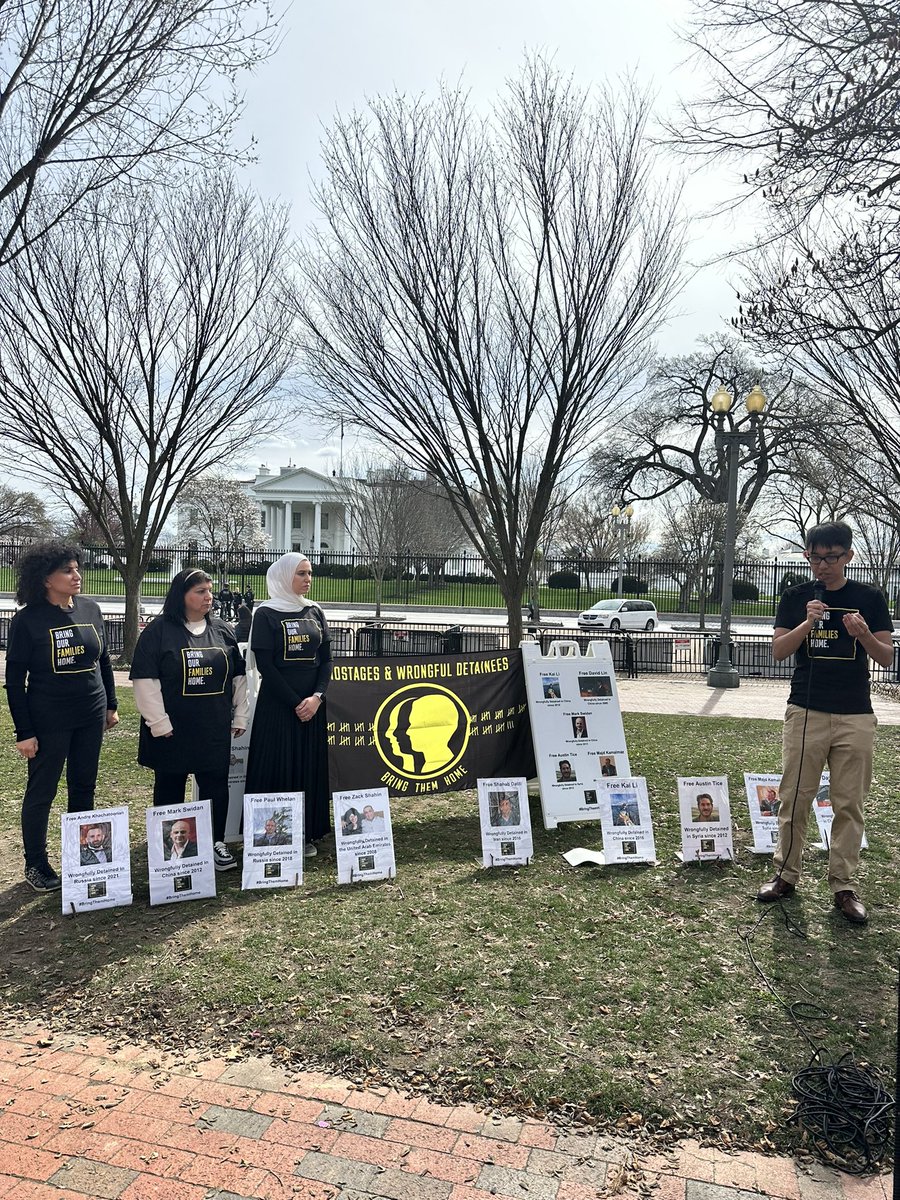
(317, 528)
(288, 537)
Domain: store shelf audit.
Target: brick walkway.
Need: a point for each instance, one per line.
(80, 1120)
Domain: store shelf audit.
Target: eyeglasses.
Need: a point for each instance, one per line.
(816, 560)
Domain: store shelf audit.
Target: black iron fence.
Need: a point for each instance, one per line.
(462, 581)
(688, 652)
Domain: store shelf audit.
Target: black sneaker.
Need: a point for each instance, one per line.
(223, 859)
(43, 878)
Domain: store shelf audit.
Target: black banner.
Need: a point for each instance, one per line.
(420, 725)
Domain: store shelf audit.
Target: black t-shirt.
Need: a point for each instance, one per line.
(293, 651)
(838, 681)
(195, 672)
(57, 667)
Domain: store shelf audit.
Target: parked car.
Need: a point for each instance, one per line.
(619, 614)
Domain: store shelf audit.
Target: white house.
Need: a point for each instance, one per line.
(301, 510)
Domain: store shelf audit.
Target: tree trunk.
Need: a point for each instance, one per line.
(132, 577)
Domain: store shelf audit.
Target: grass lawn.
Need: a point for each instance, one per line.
(618, 995)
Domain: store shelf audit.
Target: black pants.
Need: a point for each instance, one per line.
(168, 788)
(78, 750)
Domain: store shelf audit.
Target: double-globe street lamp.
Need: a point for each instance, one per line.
(724, 674)
(621, 520)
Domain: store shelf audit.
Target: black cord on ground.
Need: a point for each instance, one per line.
(847, 1112)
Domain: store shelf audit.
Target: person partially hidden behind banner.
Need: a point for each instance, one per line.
(829, 716)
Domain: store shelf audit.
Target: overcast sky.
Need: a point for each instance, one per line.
(333, 56)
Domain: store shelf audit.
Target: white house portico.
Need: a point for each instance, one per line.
(301, 510)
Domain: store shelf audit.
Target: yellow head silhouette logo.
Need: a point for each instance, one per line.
(422, 730)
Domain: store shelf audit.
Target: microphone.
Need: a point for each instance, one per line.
(819, 594)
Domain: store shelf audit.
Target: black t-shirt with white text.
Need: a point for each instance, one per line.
(832, 671)
(58, 671)
(195, 672)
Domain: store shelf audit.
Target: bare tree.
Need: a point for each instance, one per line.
(480, 293)
(22, 514)
(667, 438)
(90, 92)
(218, 511)
(139, 349)
(691, 536)
(803, 94)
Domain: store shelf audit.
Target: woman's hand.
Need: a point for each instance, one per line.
(308, 708)
(28, 747)
(112, 718)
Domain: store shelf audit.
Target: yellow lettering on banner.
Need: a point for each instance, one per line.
(483, 667)
(348, 674)
(395, 782)
(429, 785)
(455, 776)
(388, 673)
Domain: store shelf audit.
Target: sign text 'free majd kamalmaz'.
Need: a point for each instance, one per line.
(420, 725)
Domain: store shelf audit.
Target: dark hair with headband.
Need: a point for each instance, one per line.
(173, 605)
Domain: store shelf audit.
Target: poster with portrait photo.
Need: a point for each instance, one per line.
(705, 818)
(625, 821)
(180, 852)
(506, 839)
(273, 840)
(763, 803)
(573, 734)
(364, 837)
(96, 860)
(824, 814)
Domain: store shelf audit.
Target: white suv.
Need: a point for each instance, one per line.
(620, 614)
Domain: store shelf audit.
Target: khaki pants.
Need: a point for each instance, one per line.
(845, 743)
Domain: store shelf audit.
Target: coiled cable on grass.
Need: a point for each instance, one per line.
(846, 1111)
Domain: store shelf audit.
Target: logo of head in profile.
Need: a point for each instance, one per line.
(422, 730)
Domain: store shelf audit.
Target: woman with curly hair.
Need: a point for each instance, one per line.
(190, 688)
(61, 693)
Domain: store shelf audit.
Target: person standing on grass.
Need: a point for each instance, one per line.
(61, 693)
(829, 717)
(190, 688)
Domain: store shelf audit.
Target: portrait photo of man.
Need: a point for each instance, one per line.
(96, 846)
(180, 839)
(705, 809)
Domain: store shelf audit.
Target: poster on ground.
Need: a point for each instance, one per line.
(705, 818)
(824, 814)
(180, 852)
(506, 839)
(763, 802)
(364, 837)
(626, 822)
(579, 739)
(273, 840)
(96, 860)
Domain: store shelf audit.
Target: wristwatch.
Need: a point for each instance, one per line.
(321, 696)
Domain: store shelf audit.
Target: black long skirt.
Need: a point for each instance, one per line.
(289, 755)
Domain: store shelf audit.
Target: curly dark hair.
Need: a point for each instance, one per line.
(39, 561)
(173, 605)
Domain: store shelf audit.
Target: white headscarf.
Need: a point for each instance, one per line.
(282, 598)
(279, 577)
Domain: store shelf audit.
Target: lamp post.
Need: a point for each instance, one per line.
(724, 674)
(622, 519)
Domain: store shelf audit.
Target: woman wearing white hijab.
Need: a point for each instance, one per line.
(290, 650)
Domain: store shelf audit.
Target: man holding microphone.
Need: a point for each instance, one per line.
(834, 625)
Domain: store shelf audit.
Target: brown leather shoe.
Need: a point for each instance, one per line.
(775, 889)
(851, 906)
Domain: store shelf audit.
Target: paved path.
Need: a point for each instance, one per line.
(690, 696)
(80, 1120)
